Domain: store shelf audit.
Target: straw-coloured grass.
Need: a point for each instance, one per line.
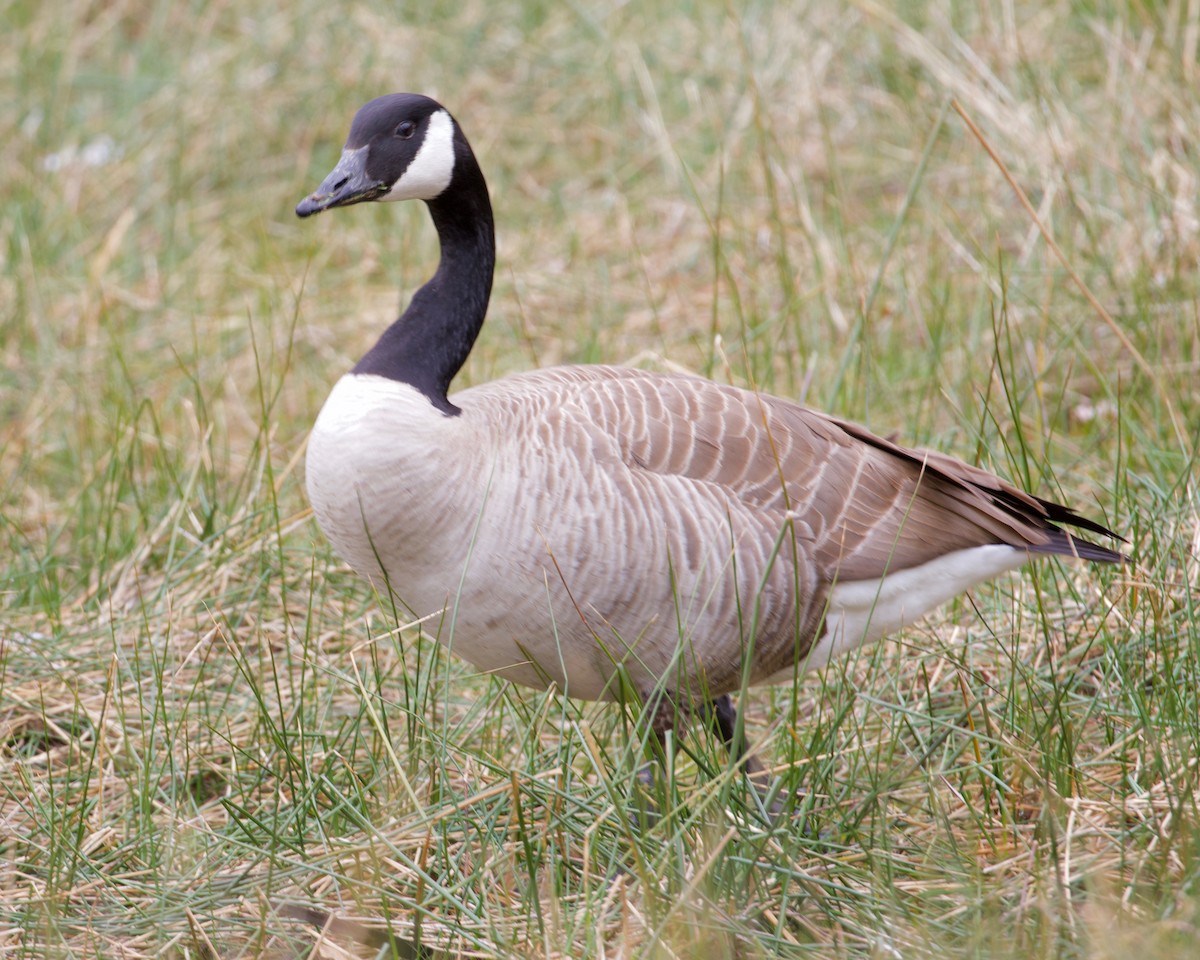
(209, 726)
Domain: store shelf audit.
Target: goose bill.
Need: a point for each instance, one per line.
(347, 183)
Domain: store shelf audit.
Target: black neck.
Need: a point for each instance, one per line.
(428, 345)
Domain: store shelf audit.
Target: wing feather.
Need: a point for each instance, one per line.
(866, 505)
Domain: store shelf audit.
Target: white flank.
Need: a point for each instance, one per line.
(865, 610)
(433, 166)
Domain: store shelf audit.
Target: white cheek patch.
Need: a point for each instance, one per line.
(433, 166)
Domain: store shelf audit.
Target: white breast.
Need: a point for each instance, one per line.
(377, 484)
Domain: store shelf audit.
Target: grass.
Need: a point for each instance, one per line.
(204, 717)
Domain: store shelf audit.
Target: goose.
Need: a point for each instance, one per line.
(604, 529)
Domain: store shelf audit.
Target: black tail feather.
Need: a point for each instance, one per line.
(1061, 543)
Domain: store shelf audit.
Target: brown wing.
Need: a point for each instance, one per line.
(865, 504)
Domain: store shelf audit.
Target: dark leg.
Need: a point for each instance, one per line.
(666, 718)
(722, 714)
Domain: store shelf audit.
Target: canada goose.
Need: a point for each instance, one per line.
(576, 525)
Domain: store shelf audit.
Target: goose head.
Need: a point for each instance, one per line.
(402, 146)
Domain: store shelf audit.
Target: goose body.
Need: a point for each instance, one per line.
(569, 524)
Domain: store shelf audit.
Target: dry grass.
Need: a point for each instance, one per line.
(204, 717)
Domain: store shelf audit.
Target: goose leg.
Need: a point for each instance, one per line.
(665, 717)
(722, 715)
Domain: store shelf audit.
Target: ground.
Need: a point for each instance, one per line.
(974, 226)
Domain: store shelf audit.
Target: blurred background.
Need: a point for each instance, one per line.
(203, 715)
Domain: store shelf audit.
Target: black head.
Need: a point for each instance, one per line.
(401, 147)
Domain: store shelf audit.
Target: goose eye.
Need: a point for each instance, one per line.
(406, 129)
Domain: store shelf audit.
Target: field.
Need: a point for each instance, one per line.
(974, 226)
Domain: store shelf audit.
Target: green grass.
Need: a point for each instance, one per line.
(204, 716)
